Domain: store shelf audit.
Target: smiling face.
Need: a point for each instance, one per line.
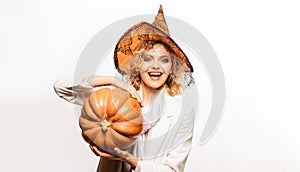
(155, 67)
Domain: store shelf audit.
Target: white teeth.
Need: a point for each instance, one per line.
(155, 73)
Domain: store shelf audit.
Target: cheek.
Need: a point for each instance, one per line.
(167, 68)
(143, 67)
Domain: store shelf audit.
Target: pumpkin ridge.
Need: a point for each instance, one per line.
(98, 102)
(88, 113)
(131, 119)
(128, 114)
(90, 102)
(94, 135)
(125, 124)
(127, 128)
(86, 124)
(99, 139)
(122, 141)
(106, 105)
(109, 141)
(136, 121)
(115, 94)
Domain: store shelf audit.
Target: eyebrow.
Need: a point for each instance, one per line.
(164, 56)
(159, 56)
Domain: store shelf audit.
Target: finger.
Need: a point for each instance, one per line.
(125, 155)
(92, 148)
(139, 99)
(117, 150)
(135, 95)
(100, 153)
(121, 153)
(104, 154)
(132, 94)
(131, 89)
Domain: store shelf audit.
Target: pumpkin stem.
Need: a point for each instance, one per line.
(105, 125)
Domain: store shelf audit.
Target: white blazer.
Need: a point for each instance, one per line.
(165, 147)
(166, 142)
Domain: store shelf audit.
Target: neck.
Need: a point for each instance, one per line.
(149, 94)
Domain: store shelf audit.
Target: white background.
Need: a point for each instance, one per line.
(258, 45)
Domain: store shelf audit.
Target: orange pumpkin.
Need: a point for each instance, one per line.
(111, 118)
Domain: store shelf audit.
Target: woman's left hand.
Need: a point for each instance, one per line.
(120, 155)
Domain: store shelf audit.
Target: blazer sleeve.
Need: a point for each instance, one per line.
(73, 92)
(174, 160)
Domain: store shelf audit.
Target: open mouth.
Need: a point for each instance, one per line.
(154, 74)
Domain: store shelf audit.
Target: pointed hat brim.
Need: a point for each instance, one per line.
(140, 34)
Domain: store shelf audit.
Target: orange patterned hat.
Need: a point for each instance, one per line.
(139, 34)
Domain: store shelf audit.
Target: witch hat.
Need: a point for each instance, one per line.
(138, 35)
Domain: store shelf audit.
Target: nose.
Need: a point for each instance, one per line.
(155, 64)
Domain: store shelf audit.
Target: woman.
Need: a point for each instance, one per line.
(157, 70)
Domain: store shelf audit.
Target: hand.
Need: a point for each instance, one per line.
(123, 85)
(96, 81)
(120, 155)
(103, 154)
(127, 157)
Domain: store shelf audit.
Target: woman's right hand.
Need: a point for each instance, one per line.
(125, 86)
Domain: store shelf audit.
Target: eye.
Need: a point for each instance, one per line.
(147, 59)
(165, 60)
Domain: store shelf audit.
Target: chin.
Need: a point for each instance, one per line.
(155, 86)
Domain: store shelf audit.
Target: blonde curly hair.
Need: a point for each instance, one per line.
(177, 80)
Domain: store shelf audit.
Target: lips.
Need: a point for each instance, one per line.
(154, 75)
